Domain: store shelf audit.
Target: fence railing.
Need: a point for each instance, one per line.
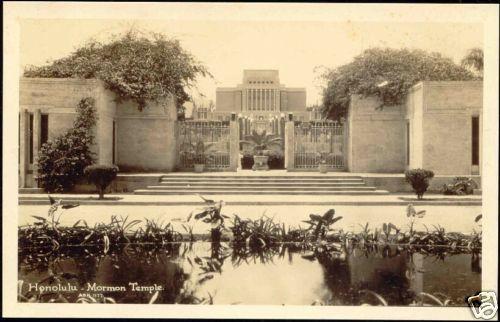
(318, 141)
(215, 139)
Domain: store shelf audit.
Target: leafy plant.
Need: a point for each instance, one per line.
(197, 153)
(101, 176)
(412, 214)
(419, 180)
(460, 186)
(385, 73)
(211, 214)
(61, 161)
(257, 234)
(321, 158)
(140, 67)
(387, 229)
(262, 143)
(320, 225)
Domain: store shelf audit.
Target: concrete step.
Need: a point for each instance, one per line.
(257, 192)
(261, 184)
(263, 177)
(30, 190)
(259, 188)
(238, 180)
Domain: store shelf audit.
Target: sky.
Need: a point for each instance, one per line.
(226, 47)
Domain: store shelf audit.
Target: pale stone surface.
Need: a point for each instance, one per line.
(448, 108)
(439, 115)
(376, 137)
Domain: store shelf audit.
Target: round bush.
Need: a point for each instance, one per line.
(419, 180)
(101, 176)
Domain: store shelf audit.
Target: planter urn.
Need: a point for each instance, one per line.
(198, 167)
(260, 162)
(323, 168)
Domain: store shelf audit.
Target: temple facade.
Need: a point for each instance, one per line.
(259, 101)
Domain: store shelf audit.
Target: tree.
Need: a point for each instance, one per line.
(474, 60)
(386, 73)
(139, 68)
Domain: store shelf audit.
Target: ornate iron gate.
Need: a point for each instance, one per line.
(318, 141)
(214, 137)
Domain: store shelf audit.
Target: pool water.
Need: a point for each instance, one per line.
(202, 273)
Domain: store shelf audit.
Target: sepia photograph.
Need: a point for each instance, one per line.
(335, 160)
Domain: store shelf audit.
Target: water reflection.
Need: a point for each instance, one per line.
(205, 273)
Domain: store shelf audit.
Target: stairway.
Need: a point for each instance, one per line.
(260, 185)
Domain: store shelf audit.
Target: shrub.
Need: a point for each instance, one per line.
(261, 143)
(419, 180)
(460, 186)
(276, 161)
(247, 161)
(61, 161)
(101, 176)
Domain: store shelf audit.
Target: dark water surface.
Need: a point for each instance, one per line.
(202, 274)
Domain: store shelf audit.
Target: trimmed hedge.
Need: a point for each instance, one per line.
(101, 176)
(419, 180)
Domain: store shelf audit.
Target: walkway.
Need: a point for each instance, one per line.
(367, 200)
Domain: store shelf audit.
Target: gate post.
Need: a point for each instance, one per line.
(234, 144)
(177, 141)
(289, 145)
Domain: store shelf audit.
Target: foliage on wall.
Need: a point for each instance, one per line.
(141, 68)
(61, 161)
(386, 73)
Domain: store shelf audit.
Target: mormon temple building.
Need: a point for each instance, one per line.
(260, 98)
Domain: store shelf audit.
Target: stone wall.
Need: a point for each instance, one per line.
(376, 141)
(447, 111)
(439, 116)
(146, 139)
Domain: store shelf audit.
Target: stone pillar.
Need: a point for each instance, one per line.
(345, 144)
(259, 99)
(349, 165)
(289, 147)
(234, 147)
(267, 100)
(177, 163)
(244, 100)
(278, 100)
(250, 100)
(23, 147)
(37, 137)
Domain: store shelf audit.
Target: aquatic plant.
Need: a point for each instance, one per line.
(320, 225)
(46, 235)
(211, 214)
(156, 232)
(260, 233)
